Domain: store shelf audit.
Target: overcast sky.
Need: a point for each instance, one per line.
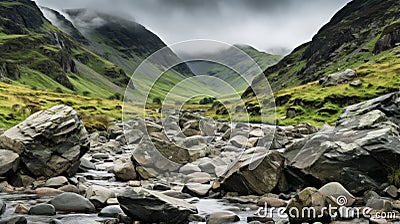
(267, 25)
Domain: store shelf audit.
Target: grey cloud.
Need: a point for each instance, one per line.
(270, 25)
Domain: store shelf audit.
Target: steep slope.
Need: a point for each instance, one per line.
(127, 44)
(352, 36)
(37, 54)
(122, 41)
(264, 60)
(364, 36)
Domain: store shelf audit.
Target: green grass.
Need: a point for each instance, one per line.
(319, 105)
(18, 102)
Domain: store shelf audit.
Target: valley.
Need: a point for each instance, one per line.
(101, 121)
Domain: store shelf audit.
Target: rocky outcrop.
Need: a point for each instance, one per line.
(256, 172)
(153, 207)
(389, 38)
(49, 143)
(338, 78)
(359, 152)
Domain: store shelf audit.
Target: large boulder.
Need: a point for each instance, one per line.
(338, 78)
(49, 143)
(258, 171)
(359, 152)
(153, 207)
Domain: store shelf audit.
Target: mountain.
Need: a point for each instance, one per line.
(236, 60)
(37, 54)
(353, 35)
(126, 44)
(363, 36)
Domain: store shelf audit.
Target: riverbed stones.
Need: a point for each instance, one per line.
(99, 195)
(42, 209)
(50, 142)
(71, 202)
(337, 191)
(222, 217)
(257, 172)
(124, 170)
(111, 211)
(56, 182)
(150, 206)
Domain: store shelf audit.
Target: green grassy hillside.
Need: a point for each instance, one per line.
(319, 105)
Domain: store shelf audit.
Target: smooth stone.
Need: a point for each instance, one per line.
(56, 182)
(42, 209)
(196, 189)
(336, 190)
(222, 217)
(46, 191)
(69, 188)
(71, 202)
(111, 211)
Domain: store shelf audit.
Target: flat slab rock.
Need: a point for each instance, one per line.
(154, 207)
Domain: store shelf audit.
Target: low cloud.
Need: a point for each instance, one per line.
(267, 25)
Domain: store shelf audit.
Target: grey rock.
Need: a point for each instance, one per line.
(391, 191)
(99, 195)
(336, 190)
(254, 173)
(14, 220)
(86, 165)
(111, 211)
(9, 160)
(309, 198)
(338, 78)
(222, 217)
(356, 83)
(358, 152)
(240, 141)
(197, 189)
(56, 182)
(150, 206)
(50, 142)
(72, 202)
(42, 209)
(189, 168)
(380, 204)
(208, 127)
(124, 170)
(2, 207)
(198, 177)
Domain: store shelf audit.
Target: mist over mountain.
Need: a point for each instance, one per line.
(272, 26)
